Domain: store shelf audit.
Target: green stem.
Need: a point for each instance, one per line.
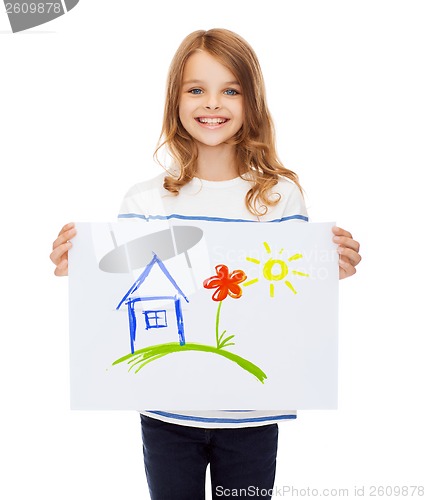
(217, 323)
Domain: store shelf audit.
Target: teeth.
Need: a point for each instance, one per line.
(212, 121)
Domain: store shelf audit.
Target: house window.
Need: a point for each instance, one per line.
(155, 319)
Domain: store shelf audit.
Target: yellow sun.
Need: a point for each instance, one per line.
(276, 270)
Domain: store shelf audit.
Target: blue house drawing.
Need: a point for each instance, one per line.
(154, 317)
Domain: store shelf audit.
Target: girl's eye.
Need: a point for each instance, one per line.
(231, 92)
(195, 91)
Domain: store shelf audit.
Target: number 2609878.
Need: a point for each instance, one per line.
(33, 8)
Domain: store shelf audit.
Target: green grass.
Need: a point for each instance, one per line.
(142, 357)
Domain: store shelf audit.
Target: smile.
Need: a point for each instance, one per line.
(211, 121)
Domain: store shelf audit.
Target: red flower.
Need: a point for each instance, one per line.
(226, 284)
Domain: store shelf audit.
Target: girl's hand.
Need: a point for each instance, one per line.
(349, 252)
(61, 245)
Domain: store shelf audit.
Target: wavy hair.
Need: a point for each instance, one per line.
(254, 142)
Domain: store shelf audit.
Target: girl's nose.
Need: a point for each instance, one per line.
(212, 103)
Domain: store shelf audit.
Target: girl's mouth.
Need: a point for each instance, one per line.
(211, 122)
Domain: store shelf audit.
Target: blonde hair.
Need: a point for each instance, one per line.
(255, 141)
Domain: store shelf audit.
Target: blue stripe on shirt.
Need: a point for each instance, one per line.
(222, 420)
(205, 218)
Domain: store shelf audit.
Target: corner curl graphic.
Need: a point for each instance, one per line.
(26, 14)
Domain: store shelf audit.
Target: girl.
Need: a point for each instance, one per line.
(218, 131)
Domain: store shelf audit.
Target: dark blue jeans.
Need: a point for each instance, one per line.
(242, 461)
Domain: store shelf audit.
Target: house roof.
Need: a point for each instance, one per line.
(145, 273)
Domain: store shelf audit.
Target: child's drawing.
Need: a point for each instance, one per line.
(224, 283)
(201, 315)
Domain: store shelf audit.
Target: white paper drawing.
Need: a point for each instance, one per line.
(203, 315)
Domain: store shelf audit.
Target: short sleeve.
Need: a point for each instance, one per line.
(292, 203)
(144, 198)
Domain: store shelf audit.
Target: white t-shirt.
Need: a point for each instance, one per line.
(212, 200)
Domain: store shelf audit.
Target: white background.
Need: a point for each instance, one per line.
(80, 112)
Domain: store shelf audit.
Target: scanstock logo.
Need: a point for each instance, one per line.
(25, 14)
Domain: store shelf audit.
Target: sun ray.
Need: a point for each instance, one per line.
(299, 273)
(251, 282)
(251, 259)
(295, 256)
(290, 286)
(271, 291)
(281, 251)
(267, 247)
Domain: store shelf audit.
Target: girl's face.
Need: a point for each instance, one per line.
(211, 105)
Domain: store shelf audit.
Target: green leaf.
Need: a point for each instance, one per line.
(225, 341)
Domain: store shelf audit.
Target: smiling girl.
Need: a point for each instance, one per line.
(218, 131)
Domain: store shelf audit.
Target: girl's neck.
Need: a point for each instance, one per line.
(216, 163)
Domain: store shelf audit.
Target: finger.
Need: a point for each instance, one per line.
(345, 241)
(352, 255)
(346, 269)
(58, 253)
(338, 231)
(345, 238)
(64, 236)
(67, 226)
(62, 268)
